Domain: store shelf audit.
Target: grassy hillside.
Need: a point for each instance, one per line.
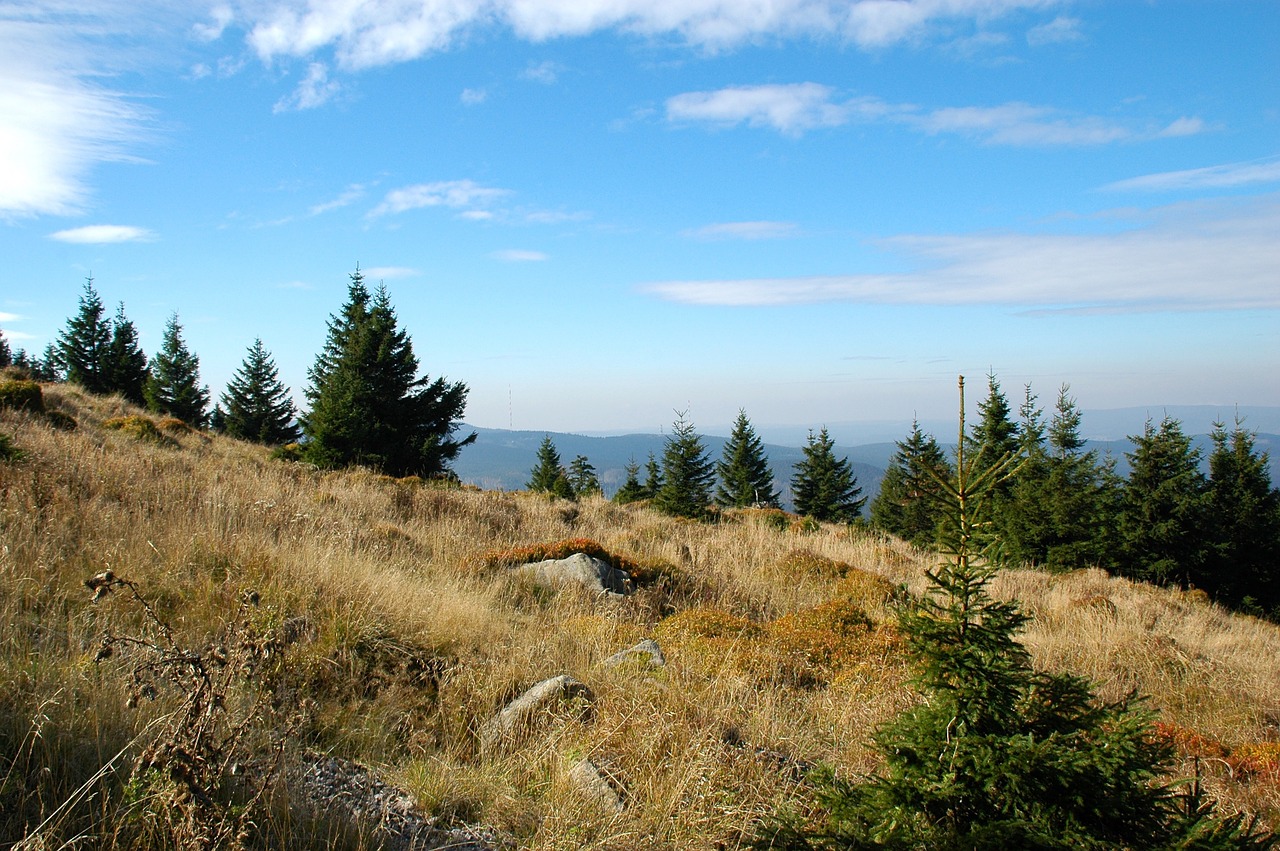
(375, 619)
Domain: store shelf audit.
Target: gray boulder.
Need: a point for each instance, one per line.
(562, 695)
(594, 785)
(579, 569)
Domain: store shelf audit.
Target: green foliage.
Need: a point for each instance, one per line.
(368, 406)
(548, 474)
(6, 355)
(1245, 533)
(125, 364)
(999, 755)
(8, 452)
(582, 477)
(173, 386)
(1163, 516)
(823, 487)
(907, 504)
(82, 347)
(687, 472)
(1060, 510)
(631, 490)
(745, 478)
(22, 395)
(256, 405)
(652, 477)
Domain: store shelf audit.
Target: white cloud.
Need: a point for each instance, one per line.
(315, 89)
(103, 235)
(519, 255)
(385, 273)
(378, 32)
(790, 109)
(1228, 176)
(1183, 127)
(471, 97)
(1060, 30)
(8, 317)
(542, 72)
(56, 122)
(467, 195)
(744, 230)
(220, 17)
(1196, 257)
(353, 193)
(1023, 124)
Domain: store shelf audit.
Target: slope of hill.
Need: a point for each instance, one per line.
(300, 618)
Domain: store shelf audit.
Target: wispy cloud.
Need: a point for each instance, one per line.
(545, 73)
(465, 195)
(471, 97)
(387, 273)
(744, 230)
(793, 109)
(790, 109)
(315, 89)
(519, 255)
(57, 121)
(1199, 257)
(379, 32)
(353, 193)
(1060, 30)
(1228, 176)
(103, 234)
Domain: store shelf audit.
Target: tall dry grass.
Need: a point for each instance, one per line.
(412, 638)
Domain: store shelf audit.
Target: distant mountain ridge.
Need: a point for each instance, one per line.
(502, 459)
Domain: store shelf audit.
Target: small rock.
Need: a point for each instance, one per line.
(587, 777)
(538, 702)
(647, 652)
(591, 573)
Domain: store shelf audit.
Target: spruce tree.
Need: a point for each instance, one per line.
(631, 490)
(687, 472)
(125, 364)
(999, 755)
(1245, 534)
(995, 434)
(745, 477)
(1061, 510)
(907, 504)
(82, 347)
(173, 387)
(256, 405)
(652, 477)
(548, 471)
(6, 356)
(583, 478)
(823, 486)
(1163, 516)
(368, 405)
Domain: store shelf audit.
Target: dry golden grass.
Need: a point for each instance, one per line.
(779, 639)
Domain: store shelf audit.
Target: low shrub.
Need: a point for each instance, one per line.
(173, 425)
(139, 428)
(287, 452)
(21, 395)
(8, 452)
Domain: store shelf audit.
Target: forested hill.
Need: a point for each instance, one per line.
(502, 459)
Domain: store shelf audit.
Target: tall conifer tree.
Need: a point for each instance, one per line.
(687, 472)
(907, 504)
(1162, 520)
(125, 365)
(549, 475)
(823, 486)
(368, 405)
(6, 356)
(745, 477)
(81, 350)
(652, 477)
(1245, 534)
(583, 478)
(631, 490)
(173, 386)
(256, 405)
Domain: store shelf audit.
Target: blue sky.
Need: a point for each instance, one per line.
(597, 212)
